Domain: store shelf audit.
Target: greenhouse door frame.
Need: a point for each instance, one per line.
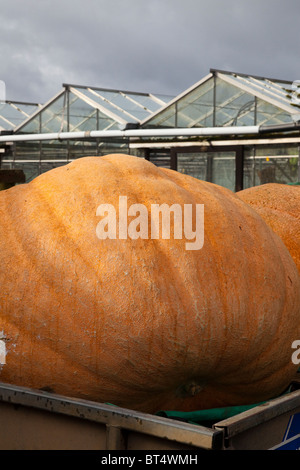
(237, 149)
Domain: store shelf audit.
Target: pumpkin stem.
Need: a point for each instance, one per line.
(189, 389)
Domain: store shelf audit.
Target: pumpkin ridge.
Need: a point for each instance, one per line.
(69, 242)
(77, 373)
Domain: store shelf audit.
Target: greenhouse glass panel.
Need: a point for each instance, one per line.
(233, 105)
(196, 108)
(249, 168)
(12, 114)
(83, 123)
(81, 149)
(278, 91)
(54, 150)
(125, 106)
(107, 100)
(27, 150)
(31, 170)
(118, 103)
(193, 164)
(277, 164)
(106, 124)
(26, 108)
(269, 114)
(150, 103)
(5, 124)
(81, 115)
(166, 118)
(84, 117)
(271, 164)
(215, 167)
(54, 116)
(6, 166)
(106, 148)
(33, 126)
(50, 166)
(223, 169)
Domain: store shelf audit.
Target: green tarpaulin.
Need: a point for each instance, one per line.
(213, 415)
(206, 417)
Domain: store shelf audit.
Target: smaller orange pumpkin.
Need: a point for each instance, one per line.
(279, 206)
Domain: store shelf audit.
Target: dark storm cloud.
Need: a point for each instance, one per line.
(160, 46)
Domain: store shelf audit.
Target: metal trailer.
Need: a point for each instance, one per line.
(37, 420)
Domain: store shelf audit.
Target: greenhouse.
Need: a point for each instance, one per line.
(13, 114)
(77, 108)
(232, 129)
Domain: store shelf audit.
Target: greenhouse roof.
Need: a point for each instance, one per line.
(89, 108)
(276, 92)
(226, 98)
(13, 113)
(219, 99)
(123, 106)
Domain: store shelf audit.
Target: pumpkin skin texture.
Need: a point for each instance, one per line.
(144, 324)
(279, 206)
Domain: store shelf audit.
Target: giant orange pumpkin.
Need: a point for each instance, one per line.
(279, 206)
(142, 323)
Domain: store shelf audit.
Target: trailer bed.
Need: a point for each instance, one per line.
(38, 420)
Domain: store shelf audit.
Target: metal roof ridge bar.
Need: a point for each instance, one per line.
(26, 103)
(113, 90)
(259, 77)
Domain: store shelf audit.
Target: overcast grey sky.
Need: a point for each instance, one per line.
(158, 46)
